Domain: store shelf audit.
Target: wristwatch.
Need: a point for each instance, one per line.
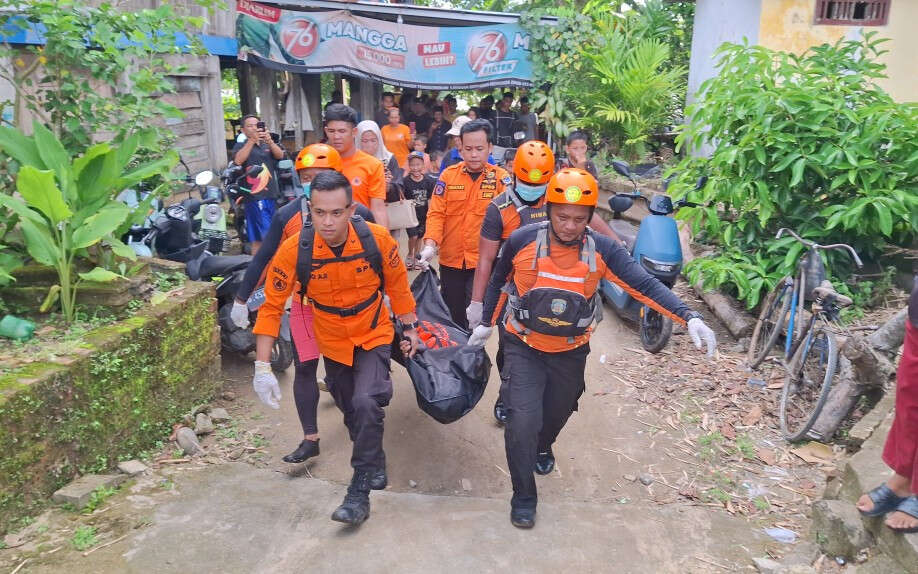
(408, 326)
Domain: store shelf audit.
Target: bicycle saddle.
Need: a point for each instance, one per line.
(827, 292)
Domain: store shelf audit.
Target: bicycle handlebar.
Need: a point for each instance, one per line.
(814, 245)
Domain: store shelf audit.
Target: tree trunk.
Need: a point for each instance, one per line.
(863, 363)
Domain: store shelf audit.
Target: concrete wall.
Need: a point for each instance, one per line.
(788, 25)
(716, 22)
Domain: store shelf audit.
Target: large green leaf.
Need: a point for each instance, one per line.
(37, 187)
(99, 275)
(39, 243)
(80, 163)
(147, 170)
(120, 249)
(20, 147)
(21, 209)
(53, 154)
(96, 181)
(96, 227)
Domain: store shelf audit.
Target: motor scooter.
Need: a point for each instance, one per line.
(655, 246)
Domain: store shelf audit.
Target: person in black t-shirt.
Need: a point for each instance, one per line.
(258, 148)
(419, 187)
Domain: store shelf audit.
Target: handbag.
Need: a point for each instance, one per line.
(401, 213)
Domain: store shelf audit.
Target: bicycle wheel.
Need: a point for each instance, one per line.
(771, 321)
(808, 382)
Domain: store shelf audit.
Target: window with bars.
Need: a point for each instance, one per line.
(852, 13)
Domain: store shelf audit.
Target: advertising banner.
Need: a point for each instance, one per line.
(433, 57)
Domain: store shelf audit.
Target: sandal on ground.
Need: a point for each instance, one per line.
(907, 506)
(884, 501)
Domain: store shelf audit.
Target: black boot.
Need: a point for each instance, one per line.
(378, 479)
(500, 412)
(307, 449)
(356, 506)
(545, 462)
(523, 517)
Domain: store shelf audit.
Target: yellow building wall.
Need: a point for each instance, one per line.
(788, 25)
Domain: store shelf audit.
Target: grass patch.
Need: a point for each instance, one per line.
(761, 504)
(84, 538)
(97, 498)
(745, 447)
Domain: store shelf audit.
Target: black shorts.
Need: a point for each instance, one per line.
(417, 231)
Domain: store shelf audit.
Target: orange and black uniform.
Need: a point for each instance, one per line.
(545, 373)
(286, 223)
(457, 209)
(367, 176)
(356, 347)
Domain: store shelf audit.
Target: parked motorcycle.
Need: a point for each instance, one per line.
(172, 236)
(655, 245)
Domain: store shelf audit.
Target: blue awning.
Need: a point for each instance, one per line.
(34, 35)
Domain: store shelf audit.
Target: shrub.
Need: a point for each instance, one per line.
(808, 142)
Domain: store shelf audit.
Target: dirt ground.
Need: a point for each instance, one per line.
(668, 432)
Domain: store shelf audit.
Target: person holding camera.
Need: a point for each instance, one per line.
(258, 149)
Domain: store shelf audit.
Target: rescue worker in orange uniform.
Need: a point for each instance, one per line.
(549, 273)
(457, 208)
(344, 267)
(520, 204)
(288, 220)
(366, 174)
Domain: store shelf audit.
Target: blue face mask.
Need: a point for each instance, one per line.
(528, 192)
(306, 187)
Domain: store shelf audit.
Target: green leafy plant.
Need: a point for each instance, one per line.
(97, 498)
(66, 205)
(84, 537)
(807, 142)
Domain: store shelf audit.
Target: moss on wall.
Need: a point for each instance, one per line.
(114, 401)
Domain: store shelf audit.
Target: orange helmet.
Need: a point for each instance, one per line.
(534, 162)
(318, 155)
(573, 186)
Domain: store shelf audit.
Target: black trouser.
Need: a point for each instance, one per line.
(306, 393)
(456, 289)
(540, 391)
(361, 391)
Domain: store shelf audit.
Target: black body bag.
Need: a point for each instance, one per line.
(449, 377)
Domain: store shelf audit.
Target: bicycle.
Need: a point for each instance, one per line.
(810, 351)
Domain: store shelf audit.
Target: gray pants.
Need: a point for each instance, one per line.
(361, 391)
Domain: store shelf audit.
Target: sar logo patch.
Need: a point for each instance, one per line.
(439, 188)
(535, 174)
(573, 194)
(393, 258)
(280, 285)
(506, 180)
(558, 306)
(309, 159)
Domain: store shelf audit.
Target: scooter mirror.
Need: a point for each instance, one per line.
(622, 167)
(620, 203)
(204, 178)
(701, 182)
(285, 164)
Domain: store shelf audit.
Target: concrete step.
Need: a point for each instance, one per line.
(864, 471)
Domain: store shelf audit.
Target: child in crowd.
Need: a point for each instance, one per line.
(436, 158)
(419, 186)
(420, 146)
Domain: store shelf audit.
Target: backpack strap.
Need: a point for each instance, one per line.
(304, 255)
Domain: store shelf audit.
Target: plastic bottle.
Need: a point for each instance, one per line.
(15, 328)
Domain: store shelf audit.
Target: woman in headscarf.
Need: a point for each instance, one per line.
(369, 140)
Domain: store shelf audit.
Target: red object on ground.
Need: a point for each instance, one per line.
(901, 450)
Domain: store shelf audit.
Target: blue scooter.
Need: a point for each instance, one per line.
(655, 246)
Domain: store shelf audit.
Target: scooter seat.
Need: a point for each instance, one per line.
(626, 231)
(221, 266)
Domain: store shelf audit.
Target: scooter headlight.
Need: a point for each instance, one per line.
(660, 267)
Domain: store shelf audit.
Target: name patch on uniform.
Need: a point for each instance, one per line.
(393, 258)
(439, 188)
(491, 186)
(455, 187)
(487, 194)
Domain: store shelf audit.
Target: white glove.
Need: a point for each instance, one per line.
(480, 335)
(265, 384)
(698, 331)
(425, 256)
(473, 314)
(240, 315)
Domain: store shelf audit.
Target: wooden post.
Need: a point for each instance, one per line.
(312, 94)
(246, 87)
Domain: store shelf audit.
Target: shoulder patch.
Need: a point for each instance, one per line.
(393, 257)
(506, 180)
(440, 187)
